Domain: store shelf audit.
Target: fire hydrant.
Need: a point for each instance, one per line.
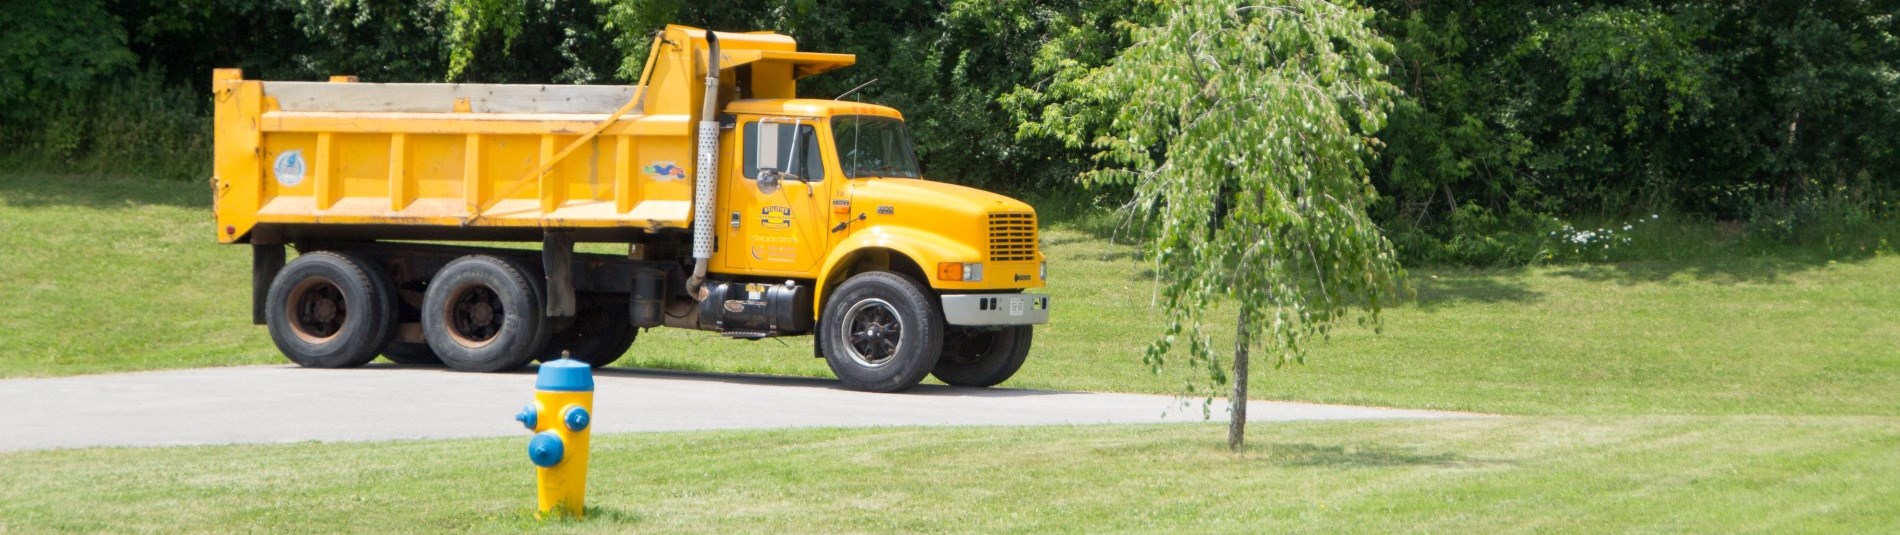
(560, 417)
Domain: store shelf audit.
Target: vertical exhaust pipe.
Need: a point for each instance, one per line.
(704, 190)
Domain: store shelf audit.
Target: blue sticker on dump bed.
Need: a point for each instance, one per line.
(664, 171)
(289, 168)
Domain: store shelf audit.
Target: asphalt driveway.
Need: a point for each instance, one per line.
(266, 404)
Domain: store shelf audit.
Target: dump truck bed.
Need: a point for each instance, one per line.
(315, 155)
(444, 154)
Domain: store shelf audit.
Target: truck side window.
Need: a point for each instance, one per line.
(809, 163)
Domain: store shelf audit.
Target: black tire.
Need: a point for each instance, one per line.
(982, 358)
(601, 333)
(463, 326)
(330, 310)
(411, 353)
(898, 332)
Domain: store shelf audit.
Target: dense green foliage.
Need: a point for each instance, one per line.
(1753, 111)
(1516, 117)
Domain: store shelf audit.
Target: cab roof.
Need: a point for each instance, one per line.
(809, 108)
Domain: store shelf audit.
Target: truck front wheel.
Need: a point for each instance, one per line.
(483, 314)
(881, 332)
(982, 358)
(330, 310)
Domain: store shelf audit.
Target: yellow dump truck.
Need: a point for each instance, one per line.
(745, 211)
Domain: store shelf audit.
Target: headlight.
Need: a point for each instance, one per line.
(960, 271)
(1043, 271)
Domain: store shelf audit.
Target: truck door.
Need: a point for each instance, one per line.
(779, 229)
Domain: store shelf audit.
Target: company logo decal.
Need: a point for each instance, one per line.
(664, 171)
(775, 217)
(289, 168)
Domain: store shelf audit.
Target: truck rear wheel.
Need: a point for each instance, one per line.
(982, 358)
(881, 332)
(483, 314)
(330, 310)
(601, 333)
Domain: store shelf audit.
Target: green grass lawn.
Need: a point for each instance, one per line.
(1703, 474)
(104, 275)
(1752, 394)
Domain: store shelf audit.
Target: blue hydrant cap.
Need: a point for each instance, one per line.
(577, 419)
(565, 375)
(545, 449)
(528, 417)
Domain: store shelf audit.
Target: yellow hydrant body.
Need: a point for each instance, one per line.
(562, 419)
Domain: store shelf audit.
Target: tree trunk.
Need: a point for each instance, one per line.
(1237, 427)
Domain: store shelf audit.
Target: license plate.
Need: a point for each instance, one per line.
(1016, 306)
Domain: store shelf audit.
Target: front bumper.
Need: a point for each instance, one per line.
(978, 310)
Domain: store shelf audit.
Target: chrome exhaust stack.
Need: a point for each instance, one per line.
(704, 192)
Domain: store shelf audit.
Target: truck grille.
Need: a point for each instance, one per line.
(1012, 237)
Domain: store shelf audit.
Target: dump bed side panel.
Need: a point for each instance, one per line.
(298, 153)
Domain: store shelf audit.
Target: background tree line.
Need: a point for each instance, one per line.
(1516, 115)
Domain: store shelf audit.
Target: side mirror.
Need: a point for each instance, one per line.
(770, 180)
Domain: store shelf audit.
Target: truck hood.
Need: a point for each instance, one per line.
(924, 201)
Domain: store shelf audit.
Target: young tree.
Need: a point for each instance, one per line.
(1243, 130)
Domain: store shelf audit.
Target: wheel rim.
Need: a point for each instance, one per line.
(873, 332)
(316, 309)
(475, 315)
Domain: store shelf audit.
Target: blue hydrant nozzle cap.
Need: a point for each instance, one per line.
(528, 417)
(546, 449)
(565, 375)
(576, 419)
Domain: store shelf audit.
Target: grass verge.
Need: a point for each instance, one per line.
(1509, 475)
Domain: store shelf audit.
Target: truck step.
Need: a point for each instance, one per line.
(746, 335)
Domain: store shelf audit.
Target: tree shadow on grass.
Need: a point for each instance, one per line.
(1357, 456)
(34, 190)
(1726, 270)
(1442, 290)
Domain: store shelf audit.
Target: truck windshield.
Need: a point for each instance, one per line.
(873, 146)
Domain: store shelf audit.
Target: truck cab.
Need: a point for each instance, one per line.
(817, 185)
(827, 191)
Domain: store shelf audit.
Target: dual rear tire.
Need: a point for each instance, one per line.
(331, 310)
(483, 314)
(479, 313)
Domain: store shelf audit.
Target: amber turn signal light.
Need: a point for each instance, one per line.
(960, 271)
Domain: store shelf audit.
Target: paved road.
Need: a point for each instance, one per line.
(262, 404)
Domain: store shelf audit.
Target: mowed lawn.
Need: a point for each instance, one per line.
(1693, 474)
(1738, 395)
(100, 275)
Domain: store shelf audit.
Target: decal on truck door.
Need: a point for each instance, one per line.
(775, 217)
